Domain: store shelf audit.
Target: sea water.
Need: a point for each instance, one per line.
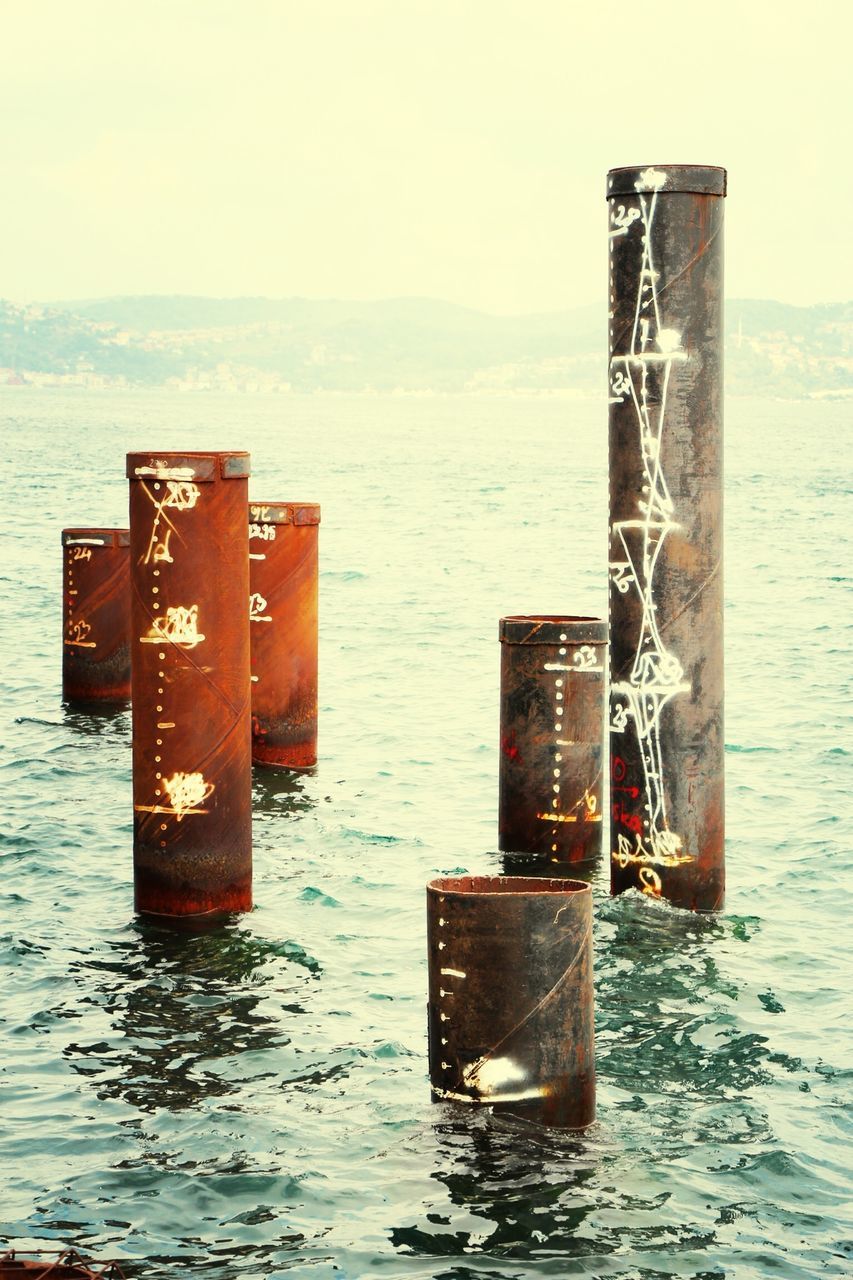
(254, 1102)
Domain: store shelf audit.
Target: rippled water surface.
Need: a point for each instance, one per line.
(254, 1101)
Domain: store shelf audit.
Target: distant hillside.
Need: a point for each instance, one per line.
(776, 349)
(298, 344)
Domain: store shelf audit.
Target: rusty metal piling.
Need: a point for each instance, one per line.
(550, 796)
(96, 615)
(191, 689)
(283, 572)
(666, 586)
(511, 996)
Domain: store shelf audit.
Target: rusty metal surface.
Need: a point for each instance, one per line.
(96, 615)
(511, 996)
(552, 737)
(66, 1264)
(283, 572)
(666, 586)
(191, 688)
(540, 866)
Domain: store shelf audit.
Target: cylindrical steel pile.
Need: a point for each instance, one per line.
(552, 736)
(283, 572)
(191, 689)
(510, 996)
(96, 615)
(666, 580)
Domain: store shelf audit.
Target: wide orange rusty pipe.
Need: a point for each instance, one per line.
(283, 574)
(96, 615)
(191, 689)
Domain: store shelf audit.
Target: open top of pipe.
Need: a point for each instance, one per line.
(481, 885)
(702, 179)
(544, 628)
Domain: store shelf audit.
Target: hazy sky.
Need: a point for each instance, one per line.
(373, 148)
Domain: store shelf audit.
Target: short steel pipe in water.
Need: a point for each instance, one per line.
(192, 787)
(96, 615)
(552, 736)
(511, 997)
(666, 537)
(283, 573)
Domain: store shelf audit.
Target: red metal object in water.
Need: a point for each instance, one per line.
(283, 573)
(66, 1265)
(96, 615)
(666, 533)
(191, 689)
(552, 737)
(511, 996)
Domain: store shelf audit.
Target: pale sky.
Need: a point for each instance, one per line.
(379, 148)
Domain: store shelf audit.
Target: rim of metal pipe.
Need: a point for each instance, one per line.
(494, 886)
(639, 179)
(545, 628)
(96, 537)
(299, 513)
(188, 465)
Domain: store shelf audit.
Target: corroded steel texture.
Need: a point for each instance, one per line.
(511, 996)
(283, 572)
(540, 866)
(96, 615)
(666, 536)
(192, 790)
(552, 736)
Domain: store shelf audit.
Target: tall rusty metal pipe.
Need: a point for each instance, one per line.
(666, 535)
(96, 615)
(283, 573)
(192, 789)
(511, 996)
(550, 798)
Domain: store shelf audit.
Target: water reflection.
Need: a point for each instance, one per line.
(280, 792)
(515, 1189)
(225, 1262)
(183, 1007)
(682, 1058)
(667, 1020)
(90, 720)
(97, 719)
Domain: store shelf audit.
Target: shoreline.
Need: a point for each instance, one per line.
(824, 395)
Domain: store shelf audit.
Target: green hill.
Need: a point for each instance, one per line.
(411, 344)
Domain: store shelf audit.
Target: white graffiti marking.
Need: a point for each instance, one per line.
(187, 792)
(584, 659)
(179, 626)
(77, 636)
(179, 496)
(622, 219)
(266, 532)
(621, 575)
(257, 604)
(162, 471)
(656, 675)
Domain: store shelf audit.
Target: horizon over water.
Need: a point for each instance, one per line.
(254, 1101)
